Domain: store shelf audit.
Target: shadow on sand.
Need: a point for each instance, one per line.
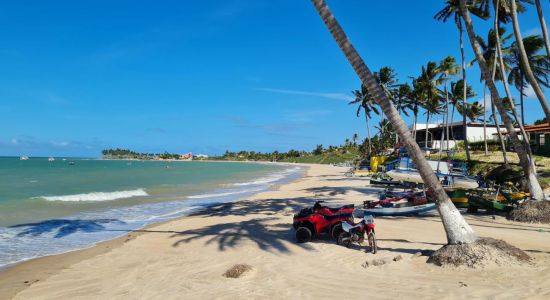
(63, 227)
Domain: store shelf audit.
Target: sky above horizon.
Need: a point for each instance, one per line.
(205, 76)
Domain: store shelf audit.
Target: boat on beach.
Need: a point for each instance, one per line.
(403, 169)
(399, 211)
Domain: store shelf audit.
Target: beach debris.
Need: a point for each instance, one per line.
(237, 270)
(398, 258)
(532, 212)
(462, 284)
(481, 253)
(377, 262)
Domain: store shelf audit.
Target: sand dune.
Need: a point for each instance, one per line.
(185, 258)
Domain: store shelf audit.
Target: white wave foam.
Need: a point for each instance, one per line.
(203, 196)
(97, 196)
(268, 179)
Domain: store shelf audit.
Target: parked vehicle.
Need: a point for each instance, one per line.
(356, 233)
(314, 221)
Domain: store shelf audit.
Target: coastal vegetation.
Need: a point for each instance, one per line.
(129, 154)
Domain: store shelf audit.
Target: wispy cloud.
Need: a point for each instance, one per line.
(333, 96)
(532, 31)
(530, 92)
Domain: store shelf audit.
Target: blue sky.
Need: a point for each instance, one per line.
(203, 76)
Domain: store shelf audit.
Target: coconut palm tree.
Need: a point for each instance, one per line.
(447, 68)
(489, 52)
(524, 60)
(366, 104)
(426, 85)
(387, 78)
(528, 168)
(539, 63)
(416, 103)
(403, 102)
(456, 96)
(456, 228)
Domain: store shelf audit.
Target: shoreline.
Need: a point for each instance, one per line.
(11, 276)
(186, 257)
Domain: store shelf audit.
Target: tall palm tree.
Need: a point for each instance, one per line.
(456, 228)
(403, 102)
(448, 68)
(366, 103)
(527, 166)
(524, 60)
(456, 96)
(539, 63)
(543, 27)
(489, 53)
(416, 103)
(427, 84)
(387, 78)
(452, 9)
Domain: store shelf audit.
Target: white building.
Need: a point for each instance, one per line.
(474, 131)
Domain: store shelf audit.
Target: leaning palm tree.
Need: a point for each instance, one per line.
(489, 53)
(543, 27)
(527, 166)
(539, 63)
(456, 228)
(366, 104)
(448, 68)
(524, 60)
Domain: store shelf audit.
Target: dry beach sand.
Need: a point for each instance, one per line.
(186, 258)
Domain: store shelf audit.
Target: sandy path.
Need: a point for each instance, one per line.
(184, 258)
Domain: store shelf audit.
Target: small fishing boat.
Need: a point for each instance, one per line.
(411, 203)
(458, 197)
(491, 205)
(383, 179)
(24, 157)
(404, 170)
(51, 159)
(399, 211)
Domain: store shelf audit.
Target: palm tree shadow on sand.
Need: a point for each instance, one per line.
(267, 235)
(64, 227)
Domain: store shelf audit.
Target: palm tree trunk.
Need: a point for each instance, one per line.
(521, 98)
(368, 131)
(499, 56)
(464, 91)
(500, 138)
(524, 63)
(427, 129)
(446, 113)
(543, 27)
(452, 126)
(456, 228)
(534, 186)
(485, 120)
(414, 126)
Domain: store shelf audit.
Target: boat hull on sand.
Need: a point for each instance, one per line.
(412, 176)
(397, 211)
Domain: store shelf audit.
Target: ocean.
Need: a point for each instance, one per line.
(51, 207)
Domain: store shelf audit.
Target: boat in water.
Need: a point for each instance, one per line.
(403, 169)
(51, 159)
(23, 157)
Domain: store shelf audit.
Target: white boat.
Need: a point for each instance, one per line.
(24, 157)
(397, 211)
(404, 170)
(51, 159)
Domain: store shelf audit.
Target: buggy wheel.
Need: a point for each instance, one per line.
(335, 232)
(344, 239)
(303, 235)
(372, 242)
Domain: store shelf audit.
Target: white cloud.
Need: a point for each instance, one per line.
(532, 31)
(334, 96)
(530, 92)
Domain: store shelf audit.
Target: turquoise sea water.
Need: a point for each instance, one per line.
(48, 207)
